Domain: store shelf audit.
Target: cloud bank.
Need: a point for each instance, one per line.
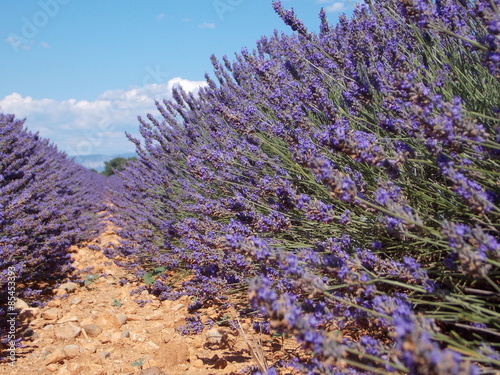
(81, 127)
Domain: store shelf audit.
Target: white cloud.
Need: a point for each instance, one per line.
(335, 6)
(81, 127)
(206, 25)
(45, 44)
(160, 16)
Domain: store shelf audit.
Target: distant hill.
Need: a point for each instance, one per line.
(96, 161)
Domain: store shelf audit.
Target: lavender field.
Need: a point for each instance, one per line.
(342, 186)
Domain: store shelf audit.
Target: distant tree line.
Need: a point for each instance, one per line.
(117, 164)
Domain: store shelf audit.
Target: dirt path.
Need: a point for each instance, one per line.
(98, 329)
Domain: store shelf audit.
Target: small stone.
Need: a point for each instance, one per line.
(155, 328)
(157, 315)
(21, 305)
(110, 272)
(67, 332)
(122, 318)
(177, 307)
(220, 364)
(214, 336)
(144, 293)
(93, 330)
(28, 332)
(52, 314)
(54, 303)
(29, 314)
(152, 371)
(152, 345)
(75, 300)
(198, 363)
(69, 287)
(55, 357)
(53, 367)
(104, 355)
(136, 338)
(72, 350)
(74, 368)
(59, 292)
(105, 337)
(125, 334)
(63, 370)
(48, 327)
(90, 347)
(66, 319)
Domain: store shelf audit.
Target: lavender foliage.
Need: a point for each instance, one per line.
(347, 180)
(47, 203)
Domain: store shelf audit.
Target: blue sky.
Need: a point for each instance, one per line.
(81, 71)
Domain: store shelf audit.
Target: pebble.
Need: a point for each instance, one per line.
(122, 318)
(198, 363)
(214, 336)
(52, 314)
(54, 303)
(29, 314)
(157, 315)
(28, 332)
(125, 334)
(155, 328)
(93, 330)
(90, 347)
(220, 364)
(67, 332)
(136, 338)
(152, 345)
(66, 319)
(72, 350)
(56, 356)
(53, 367)
(75, 300)
(70, 369)
(59, 292)
(104, 355)
(69, 286)
(105, 337)
(177, 307)
(21, 305)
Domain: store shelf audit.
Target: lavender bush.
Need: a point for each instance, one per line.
(47, 203)
(347, 179)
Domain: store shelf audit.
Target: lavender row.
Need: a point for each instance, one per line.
(47, 203)
(347, 179)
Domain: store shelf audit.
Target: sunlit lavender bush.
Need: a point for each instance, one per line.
(347, 179)
(47, 203)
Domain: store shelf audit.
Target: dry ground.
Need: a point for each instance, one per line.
(98, 329)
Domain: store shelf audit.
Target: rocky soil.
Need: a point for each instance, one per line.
(94, 327)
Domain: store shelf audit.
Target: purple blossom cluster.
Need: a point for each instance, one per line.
(47, 203)
(347, 179)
